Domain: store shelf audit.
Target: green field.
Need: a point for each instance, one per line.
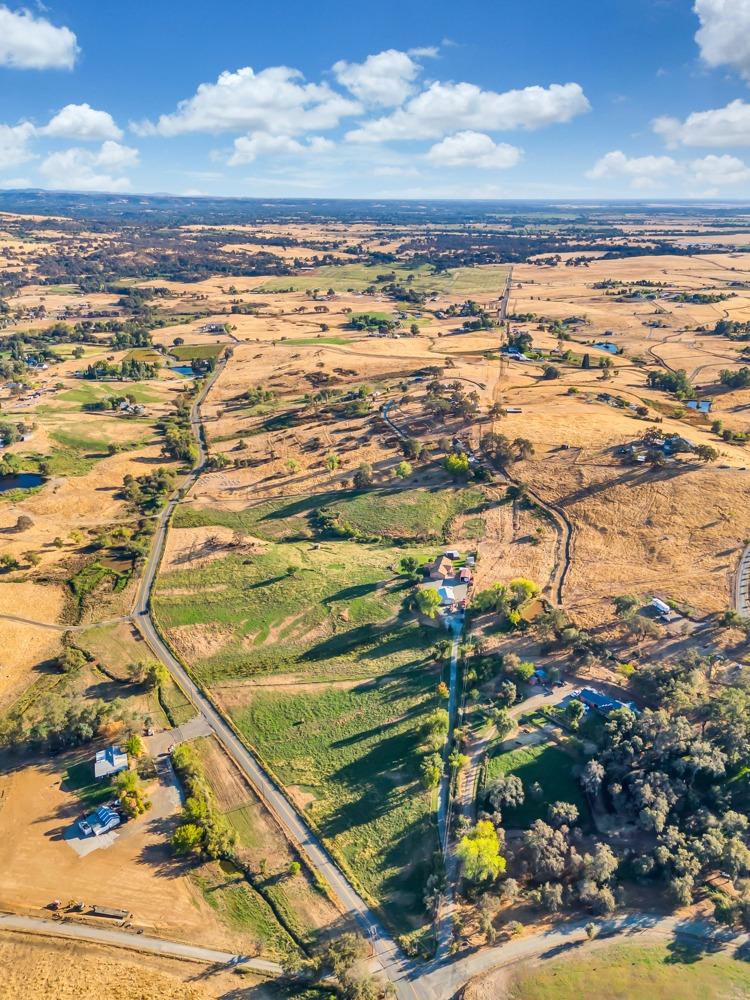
(147, 354)
(418, 515)
(92, 392)
(335, 615)
(552, 768)
(243, 910)
(358, 277)
(315, 341)
(630, 972)
(190, 352)
(356, 754)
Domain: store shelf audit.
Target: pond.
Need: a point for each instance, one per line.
(612, 348)
(20, 481)
(702, 405)
(184, 370)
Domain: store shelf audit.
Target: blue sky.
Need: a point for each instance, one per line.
(484, 99)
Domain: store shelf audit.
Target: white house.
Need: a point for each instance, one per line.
(109, 762)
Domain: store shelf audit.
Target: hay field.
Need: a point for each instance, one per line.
(37, 968)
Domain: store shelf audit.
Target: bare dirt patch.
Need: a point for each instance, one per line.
(199, 642)
(136, 873)
(192, 547)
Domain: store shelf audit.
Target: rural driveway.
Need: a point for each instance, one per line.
(136, 942)
(160, 743)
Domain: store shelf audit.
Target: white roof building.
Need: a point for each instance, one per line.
(110, 761)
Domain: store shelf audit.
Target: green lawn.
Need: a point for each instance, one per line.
(79, 778)
(552, 768)
(356, 754)
(630, 972)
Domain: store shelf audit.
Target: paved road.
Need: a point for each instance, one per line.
(388, 956)
(742, 585)
(503, 310)
(137, 942)
(440, 981)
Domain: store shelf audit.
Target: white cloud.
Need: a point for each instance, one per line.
(724, 34)
(474, 149)
(82, 122)
(727, 126)
(384, 80)
(248, 148)
(78, 169)
(447, 107)
(8, 183)
(720, 171)
(648, 172)
(275, 100)
(14, 141)
(642, 171)
(29, 42)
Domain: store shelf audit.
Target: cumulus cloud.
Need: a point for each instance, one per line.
(29, 42)
(727, 126)
(275, 100)
(14, 144)
(82, 122)
(474, 149)
(447, 107)
(720, 171)
(724, 35)
(617, 164)
(645, 172)
(248, 148)
(642, 171)
(384, 80)
(78, 169)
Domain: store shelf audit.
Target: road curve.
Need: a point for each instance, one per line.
(387, 953)
(137, 942)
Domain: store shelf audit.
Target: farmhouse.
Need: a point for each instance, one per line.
(110, 762)
(602, 703)
(441, 569)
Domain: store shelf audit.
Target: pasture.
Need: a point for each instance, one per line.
(350, 756)
(632, 972)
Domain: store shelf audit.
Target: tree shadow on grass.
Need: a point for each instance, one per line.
(351, 593)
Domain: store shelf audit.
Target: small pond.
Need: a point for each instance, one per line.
(702, 405)
(184, 370)
(20, 481)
